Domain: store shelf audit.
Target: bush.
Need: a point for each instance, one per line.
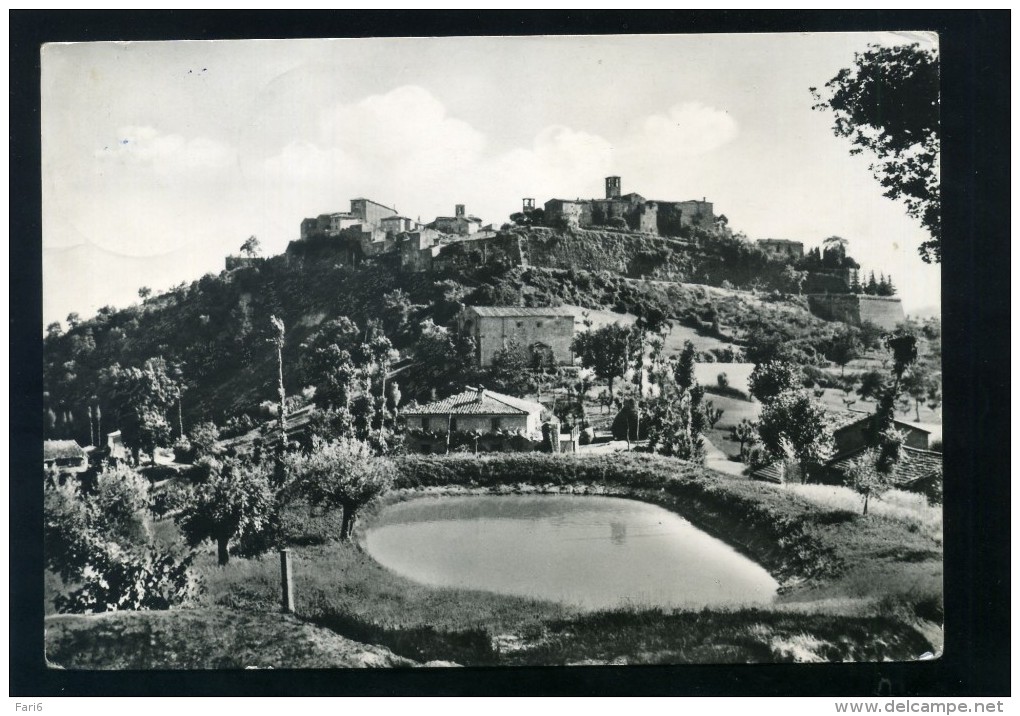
(152, 579)
(242, 424)
(183, 451)
(101, 544)
(821, 378)
(204, 440)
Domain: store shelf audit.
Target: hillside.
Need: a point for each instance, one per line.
(216, 329)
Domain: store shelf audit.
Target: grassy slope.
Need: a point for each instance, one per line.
(203, 639)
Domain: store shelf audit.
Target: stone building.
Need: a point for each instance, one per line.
(546, 332)
(782, 248)
(365, 213)
(398, 224)
(461, 223)
(667, 218)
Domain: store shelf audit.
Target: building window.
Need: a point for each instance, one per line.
(497, 424)
(520, 324)
(425, 423)
(538, 324)
(453, 425)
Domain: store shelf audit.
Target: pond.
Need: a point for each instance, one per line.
(585, 551)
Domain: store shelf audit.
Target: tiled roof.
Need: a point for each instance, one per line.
(773, 472)
(913, 465)
(469, 403)
(897, 423)
(513, 311)
(62, 450)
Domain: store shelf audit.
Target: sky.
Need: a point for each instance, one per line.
(160, 158)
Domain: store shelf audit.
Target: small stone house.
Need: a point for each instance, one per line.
(853, 437)
(476, 410)
(479, 410)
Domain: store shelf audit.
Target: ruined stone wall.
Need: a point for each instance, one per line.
(884, 312)
(501, 248)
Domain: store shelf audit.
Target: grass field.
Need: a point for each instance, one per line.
(674, 338)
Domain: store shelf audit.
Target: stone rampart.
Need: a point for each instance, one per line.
(855, 309)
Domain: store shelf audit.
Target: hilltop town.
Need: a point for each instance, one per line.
(613, 346)
(689, 229)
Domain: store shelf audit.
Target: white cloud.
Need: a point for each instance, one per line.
(403, 147)
(406, 128)
(683, 131)
(561, 161)
(165, 153)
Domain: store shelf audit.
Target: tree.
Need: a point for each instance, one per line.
(934, 396)
(744, 433)
(770, 379)
(671, 426)
(863, 476)
(144, 292)
(882, 434)
(871, 287)
(204, 439)
(73, 321)
(920, 384)
(234, 502)
(442, 360)
(396, 313)
(510, 372)
(834, 251)
(251, 247)
(763, 344)
(375, 356)
(888, 105)
(342, 473)
(53, 330)
(277, 338)
(712, 414)
(608, 351)
(119, 505)
(843, 348)
(327, 364)
(793, 423)
(794, 279)
(139, 399)
(683, 370)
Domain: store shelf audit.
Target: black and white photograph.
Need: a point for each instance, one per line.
(492, 351)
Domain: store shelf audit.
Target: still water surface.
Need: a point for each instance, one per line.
(588, 551)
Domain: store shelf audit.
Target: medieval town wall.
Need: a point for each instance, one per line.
(884, 312)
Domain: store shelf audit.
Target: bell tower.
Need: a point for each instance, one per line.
(612, 187)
